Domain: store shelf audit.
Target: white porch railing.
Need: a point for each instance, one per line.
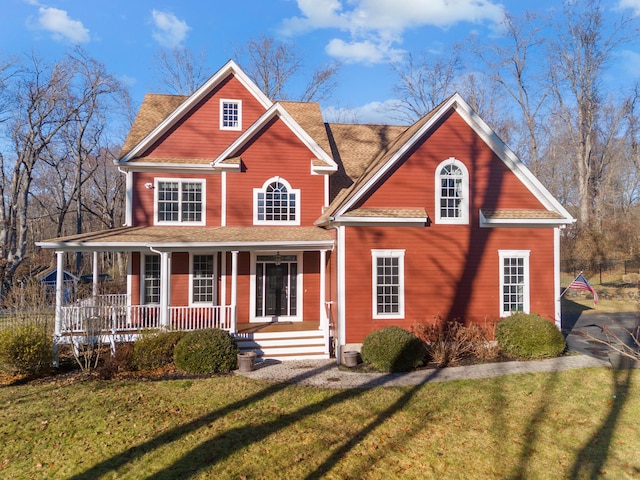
(123, 318)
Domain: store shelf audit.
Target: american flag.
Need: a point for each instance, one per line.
(581, 283)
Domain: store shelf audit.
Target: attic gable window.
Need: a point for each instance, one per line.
(230, 114)
(179, 201)
(276, 203)
(452, 192)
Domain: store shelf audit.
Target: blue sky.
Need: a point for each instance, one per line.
(365, 35)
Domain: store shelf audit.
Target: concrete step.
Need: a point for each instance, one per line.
(285, 345)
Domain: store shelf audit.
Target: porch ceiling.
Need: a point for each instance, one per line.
(195, 238)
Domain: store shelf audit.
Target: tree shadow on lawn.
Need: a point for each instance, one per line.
(221, 446)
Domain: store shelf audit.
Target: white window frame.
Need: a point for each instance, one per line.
(375, 255)
(238, 103)
(463, 219)
(515, 254)
(180, 182)
(299, 286)
(143, 278)
(192, 278)
(263, 190)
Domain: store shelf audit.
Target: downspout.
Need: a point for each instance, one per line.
(164, 287)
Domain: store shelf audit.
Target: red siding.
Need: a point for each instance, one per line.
(451, 273)
(198, 134)
(275, 152)
(143, 198)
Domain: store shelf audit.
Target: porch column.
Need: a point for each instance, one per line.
(234, 290)
(165, 289)
(57, 326)
(323, 294)
(94, 292)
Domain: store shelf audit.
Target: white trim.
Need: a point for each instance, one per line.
(229, 101)
(464, 204)
(128, 210)
(180, 182)
(214, 284)
(294, 191)
(376, 254)
(521, 222)
(223, 277)
(380, 221)
(278, 110)
(503, 152)
(230, 68)
(223, 200)
(526, 303)
(556, 277)
(299, 286)
(341, 287)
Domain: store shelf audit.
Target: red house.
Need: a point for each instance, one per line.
(298, 235)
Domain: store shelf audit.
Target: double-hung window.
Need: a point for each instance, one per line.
(514, 281)
(230, 114)
(202, 279)
(276, 203)
(452, 192)
(180, 201)
(388, 283)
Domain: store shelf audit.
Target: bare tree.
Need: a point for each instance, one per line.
(272, 65)
(583, 47)
(424, 83)
(179, 70)
(511, 63)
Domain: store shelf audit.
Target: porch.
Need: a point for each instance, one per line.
(113, 319)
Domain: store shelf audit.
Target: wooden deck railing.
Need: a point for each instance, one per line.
(121, 318)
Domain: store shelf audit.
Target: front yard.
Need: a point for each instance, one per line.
(575, 424)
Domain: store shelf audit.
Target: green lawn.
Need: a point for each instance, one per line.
(576, 424)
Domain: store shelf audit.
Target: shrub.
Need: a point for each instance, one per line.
(206, 351)
(393, 349)
(155, 350)
(529, 336)
(449, 342)
(26, 350)
(120, 361)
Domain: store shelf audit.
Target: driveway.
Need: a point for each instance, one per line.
(574, 326)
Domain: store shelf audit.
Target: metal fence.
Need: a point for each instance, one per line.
(610, 271)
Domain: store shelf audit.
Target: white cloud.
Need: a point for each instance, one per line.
(58, 23)
(375, 113)
(633, 4)
(379, 24)
(169, 30)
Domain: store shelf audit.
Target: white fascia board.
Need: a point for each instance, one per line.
(168, 167)
(491, 139)
(276, 110)
(230, 68)
(510, 159)
(399, 154)
(381, 221)
(522, 222)
(310, 245)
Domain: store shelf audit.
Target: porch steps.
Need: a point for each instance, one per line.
(301, 345)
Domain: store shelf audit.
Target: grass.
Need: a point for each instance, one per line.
(575, 424)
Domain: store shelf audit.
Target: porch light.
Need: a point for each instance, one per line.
(278, 258)
(148, 185)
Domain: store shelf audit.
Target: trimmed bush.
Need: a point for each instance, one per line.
(393, 349)
(206, 352)
(529, 336)
(155, 350)
(26, 350)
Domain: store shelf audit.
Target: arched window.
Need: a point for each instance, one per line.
(452, 192)
(276, 203)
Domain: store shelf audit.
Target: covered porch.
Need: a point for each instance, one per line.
(239, 302)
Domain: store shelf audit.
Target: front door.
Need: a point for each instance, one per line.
(276, 286)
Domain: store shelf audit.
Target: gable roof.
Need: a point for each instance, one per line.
(321, 162)
(388, 158)
(171, 117)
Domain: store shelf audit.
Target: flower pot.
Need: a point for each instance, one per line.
(246, 361)
(351, 358)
